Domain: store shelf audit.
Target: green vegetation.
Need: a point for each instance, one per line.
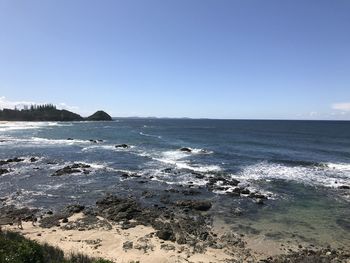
(14, 248)
(48, 112)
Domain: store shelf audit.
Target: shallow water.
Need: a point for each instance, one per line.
(300, 164)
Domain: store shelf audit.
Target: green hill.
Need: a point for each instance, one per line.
(48, 112)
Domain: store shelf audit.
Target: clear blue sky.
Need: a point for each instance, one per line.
(197, 58)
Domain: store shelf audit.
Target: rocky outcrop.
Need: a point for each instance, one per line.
(185, 149)
(99, 116)
(74, 168)
(4, 171)
(194, 204)
(124, 146)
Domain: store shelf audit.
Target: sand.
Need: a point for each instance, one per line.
(108, 244)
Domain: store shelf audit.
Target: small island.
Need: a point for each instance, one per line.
(48, 112)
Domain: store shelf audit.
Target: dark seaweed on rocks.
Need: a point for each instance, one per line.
(71, 169)
(311, 256)
(170, 223)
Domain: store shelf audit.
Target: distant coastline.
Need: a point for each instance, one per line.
(49, 112)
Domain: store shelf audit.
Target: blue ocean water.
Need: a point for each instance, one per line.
(300, 165)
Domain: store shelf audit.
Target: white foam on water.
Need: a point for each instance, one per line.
(107, 148)
(150, 135)
(176, 158)
(333, 175)
(12, 126)
(45, 141)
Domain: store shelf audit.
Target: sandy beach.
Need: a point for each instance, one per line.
(138, 244)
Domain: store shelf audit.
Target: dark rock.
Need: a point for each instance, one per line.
(257, 195)
(71, 169)
(196, 205)
(185, 149)
(33, 160)
(93, 141)
(99, 116)
(9, 214)
(190, 192)
(4, 171)
(15, 160)
(73, 209)
(245, 191)
(65, 220)
(198, 175)
(347, 187)
(118, 209)
(3, 162)
(128, 245)
(147, 194)
(166, 234)
(70, 139)
(124, 146)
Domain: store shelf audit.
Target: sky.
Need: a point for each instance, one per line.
(235, 59)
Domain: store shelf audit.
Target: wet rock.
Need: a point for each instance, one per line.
(198, 175)
(9, 214)
(245, 192)
(148, 194)
(65, 220)
(124, 146)
(70, 139)
(93, 141)
(118, 209)
(196, 205)
(3, 162)
(190, 192)
(185, 149)
(15, 160)
(311, 256)
(167, 170)
(347, 187)
(4, 171)
(73, 209)
(33, 159)
(257, 195)
(71, 169)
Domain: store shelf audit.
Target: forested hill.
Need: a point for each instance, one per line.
(47, 112)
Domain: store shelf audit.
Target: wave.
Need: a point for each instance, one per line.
(177, 159)
(106, 147)
(150, 135)
(38, 140)
(331, 175)
(12, 126)
(299, 163)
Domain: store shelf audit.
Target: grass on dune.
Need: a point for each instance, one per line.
(14, 248)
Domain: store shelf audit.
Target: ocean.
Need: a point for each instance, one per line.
(302, 167)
